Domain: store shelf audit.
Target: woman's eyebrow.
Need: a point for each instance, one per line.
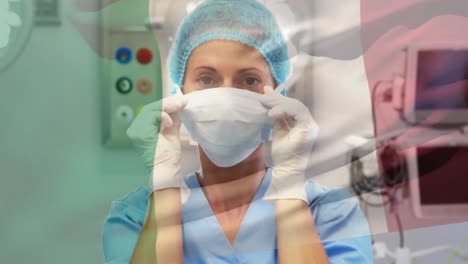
(205, 68)
(249, 69)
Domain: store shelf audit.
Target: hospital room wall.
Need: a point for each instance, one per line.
(58, 180)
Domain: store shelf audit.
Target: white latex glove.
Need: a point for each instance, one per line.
(155, 134)
(294, 132)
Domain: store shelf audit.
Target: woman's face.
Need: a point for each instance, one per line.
(225, 63)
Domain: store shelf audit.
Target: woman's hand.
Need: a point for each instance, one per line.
(155, 134)
(294, 132)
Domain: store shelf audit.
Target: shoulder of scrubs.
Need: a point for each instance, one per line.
(342, 227)
(123, 225)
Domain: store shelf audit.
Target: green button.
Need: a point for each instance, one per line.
(124, 85)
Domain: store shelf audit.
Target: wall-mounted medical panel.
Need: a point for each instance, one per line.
(131, 79)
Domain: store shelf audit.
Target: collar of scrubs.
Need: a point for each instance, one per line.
(205, 239)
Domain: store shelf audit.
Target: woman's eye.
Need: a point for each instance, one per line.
(206, 81)
(251, 81)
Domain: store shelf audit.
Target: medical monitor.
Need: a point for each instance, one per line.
(436, 89)
(438, 175)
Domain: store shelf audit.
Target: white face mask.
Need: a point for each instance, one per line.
(228, 123)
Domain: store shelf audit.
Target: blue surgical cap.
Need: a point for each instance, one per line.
(246, 21)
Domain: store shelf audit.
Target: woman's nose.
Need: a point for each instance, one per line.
(228, 82)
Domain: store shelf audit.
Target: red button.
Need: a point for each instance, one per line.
(144, 56)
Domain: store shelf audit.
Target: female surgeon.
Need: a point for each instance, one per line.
(224, 61)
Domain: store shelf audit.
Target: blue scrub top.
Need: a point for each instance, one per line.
(339, 221)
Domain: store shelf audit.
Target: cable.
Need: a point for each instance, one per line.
(400, 229)
(458, 253)
(367, 203)
(391, 178)
(393, 208)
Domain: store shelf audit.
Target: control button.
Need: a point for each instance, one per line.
(138, 110)
(144, 55)
(144, 86)
(124, 114)
(124, 55)
(124, 85)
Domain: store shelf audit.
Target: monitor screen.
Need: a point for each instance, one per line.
(443, 175)
(442, 80)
